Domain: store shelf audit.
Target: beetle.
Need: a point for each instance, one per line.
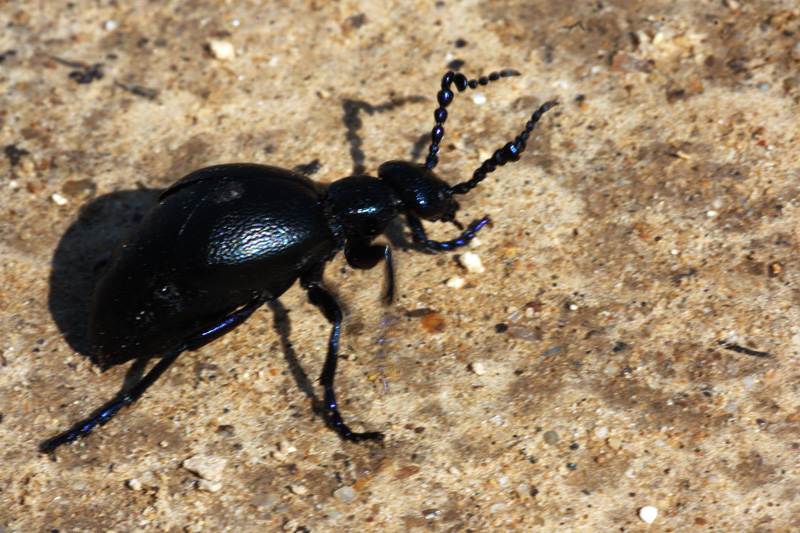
(226, 239)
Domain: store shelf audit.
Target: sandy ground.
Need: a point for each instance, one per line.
(633, 340)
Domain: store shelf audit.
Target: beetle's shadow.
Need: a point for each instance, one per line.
(283, 327)
(352, 121)
(82, 253)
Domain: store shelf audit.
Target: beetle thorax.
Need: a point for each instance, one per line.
(362, 206)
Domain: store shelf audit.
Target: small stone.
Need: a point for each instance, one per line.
(648, 514)
(209, 486)
(433, 323)
(406, 472)
(333, 514)
(300, 490)
(550, 437)
(385, 465)
(471, 262)
(206, 466)
(477, 367)
(134, 484)
(344, 494)
(266, 501)
(222, 50)
(456, 282)
(120, 468)
(59, 199)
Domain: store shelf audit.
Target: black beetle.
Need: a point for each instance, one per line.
(226, 239)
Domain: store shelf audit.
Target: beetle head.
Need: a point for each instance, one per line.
(422, 193)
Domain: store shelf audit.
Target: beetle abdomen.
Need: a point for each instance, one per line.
(207, 248)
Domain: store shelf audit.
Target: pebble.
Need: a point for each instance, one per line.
(472, 262)
(601, 432)
(59, 199)
(648, 514)
(333, 514)
(456, 282)
(300, 490)
(478, 368)
(222, 50)
(266, 501)
(550, 437)
(134, 484)
(524, 333)
(344, 494)
(206, 466)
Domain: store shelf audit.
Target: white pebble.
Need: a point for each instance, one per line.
(472, 262)
(222, 50)
(110, 25)
(455, 282)
(59, 199)
(300, 490)
(648, 514)
(134, 484)
(478, 367)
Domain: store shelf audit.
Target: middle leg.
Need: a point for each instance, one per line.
(327, 304)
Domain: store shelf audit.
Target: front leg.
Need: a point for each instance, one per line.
(327, 304)
(361, 253)
(420, 237)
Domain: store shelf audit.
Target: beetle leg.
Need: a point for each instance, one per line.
(108, 411)
(420, 237)
(326, 302)
(361, 254)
